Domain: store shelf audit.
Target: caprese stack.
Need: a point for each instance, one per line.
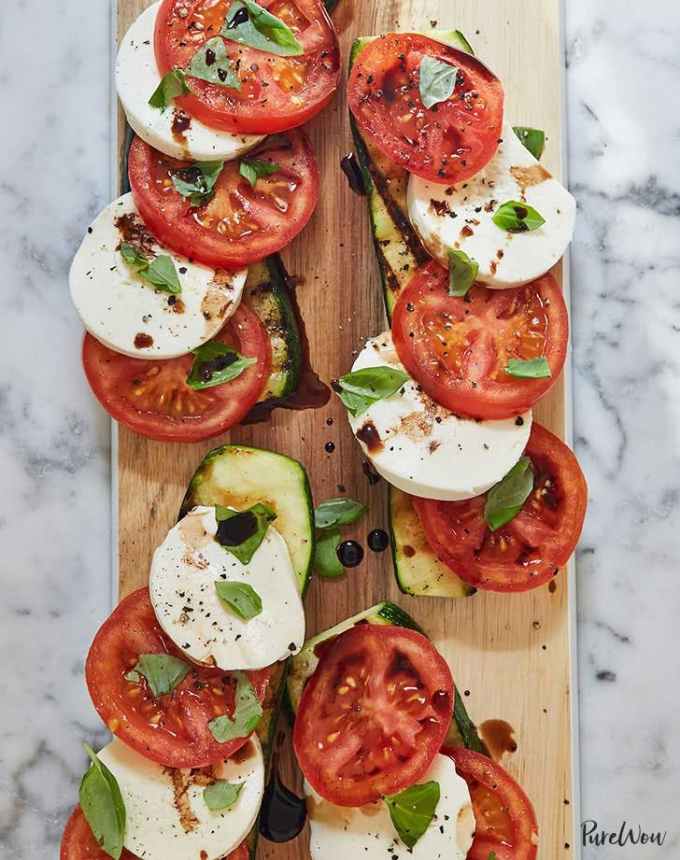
(467, 225)
(189, 321)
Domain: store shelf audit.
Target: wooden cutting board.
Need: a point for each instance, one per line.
(511, 655)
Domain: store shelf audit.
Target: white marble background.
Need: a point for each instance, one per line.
(624, 139)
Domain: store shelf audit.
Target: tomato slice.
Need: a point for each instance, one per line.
(458, 349)
(239, 224)
(173, 729)
(152, 397)
(528, 551)
(277, 93)
(447, 143)
(373, 715)
(504, 815)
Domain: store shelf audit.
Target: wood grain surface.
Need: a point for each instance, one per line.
(511, 655)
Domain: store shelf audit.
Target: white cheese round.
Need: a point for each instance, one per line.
(137, 78)
(423, 449)
(184, 570)
(167, 817)
(459, 217)
(368, 832)
(131, 316)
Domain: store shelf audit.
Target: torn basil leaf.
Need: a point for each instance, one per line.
(250, 24)
(221, 794)
(242, 532)
(240, 597)
(531, 368)
(463, 272)
(338, 512)
(211, 63)
(215, 363)
(254, 169)
(103, 806)
(412, 811)
(506, 499)
(172, 85)
(163, 672)
(437, 81)
(247, 714)
(159, 272)
(326, 561)
(362, 388)
(197, 182)
(532, 138)
(517, 217)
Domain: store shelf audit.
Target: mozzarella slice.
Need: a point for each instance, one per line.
(425, 450)
(368, 832)
(167, 817)
(460, 217)
(171, 130)
(184, 570)
(132, 317)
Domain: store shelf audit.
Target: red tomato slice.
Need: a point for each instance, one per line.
(373, 715)
(277, 93)
(447, 143)
(240, 224)
(458, 348)
(152, 397)
(173, 729)
(528, 551)
(504, 815)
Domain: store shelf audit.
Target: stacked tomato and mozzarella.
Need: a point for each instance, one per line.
(442, 403)
(220, 178)
(178, 673)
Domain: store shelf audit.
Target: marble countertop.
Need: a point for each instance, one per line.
(624, 139)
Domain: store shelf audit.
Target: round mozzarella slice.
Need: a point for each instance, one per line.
(167, 817)
(461, 217)
(427, 451)
(368, 831)
(131, 316)
(171, 131)
(184, 571)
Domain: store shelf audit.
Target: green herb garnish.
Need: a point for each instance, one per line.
(326, 561)
(437, 81)
(211, 63)
(412, 811)
(532, 138)
(172, 85)
(247, 714)
(221, 795)
(463, 272)
(338, 512)
(254, 169)
(531, 368)
(506, 499)
(517, 217)
(362, 388)
(163, 672)
(216, 363)
(240, 597)
(250, 24)
(242, 532)
(103, 806)
(197, 183)
(159, 272)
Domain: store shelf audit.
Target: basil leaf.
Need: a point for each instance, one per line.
(326, 561)
(247, 714)
(437, 81)
(412, 811)
(197, 183)
(172, 85)
(211, 63)
(532, 368)
(162, 672)
(254, 169)
(463, 43)
(468, 730)
(242, 532)
(250, 24)
(362, 388)
(532, 138)
(338, 512)
(492, 856)
(506, 499)
(159, 272)
(517, 217)
(216, 363)
(463, 272)
(240, 597)
(103, 806)
(221, 794)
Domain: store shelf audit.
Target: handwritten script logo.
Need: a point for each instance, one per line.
(626, 834)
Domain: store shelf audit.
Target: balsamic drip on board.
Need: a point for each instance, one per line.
(283, 813)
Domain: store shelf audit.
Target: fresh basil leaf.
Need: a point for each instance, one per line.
(172, 85)
(326, 561)
(211, 63)
(532, 138)
(463, 272)
(437, 81)
(162, 672)
(216, 363)
(362, 388)
(463, 43)
(221, 794)
(412, 811)
(517, 217)
(254, 169)
(242, 532)
(250, 24)
(532, 368)
(247, 714)
(197, 183)
(159, 272)
(240, 597)
(468, 730)
(492, 856)
(338, 512)
(506, 499)
(103, 806)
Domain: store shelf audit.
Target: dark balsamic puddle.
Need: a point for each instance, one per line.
(283, 813)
